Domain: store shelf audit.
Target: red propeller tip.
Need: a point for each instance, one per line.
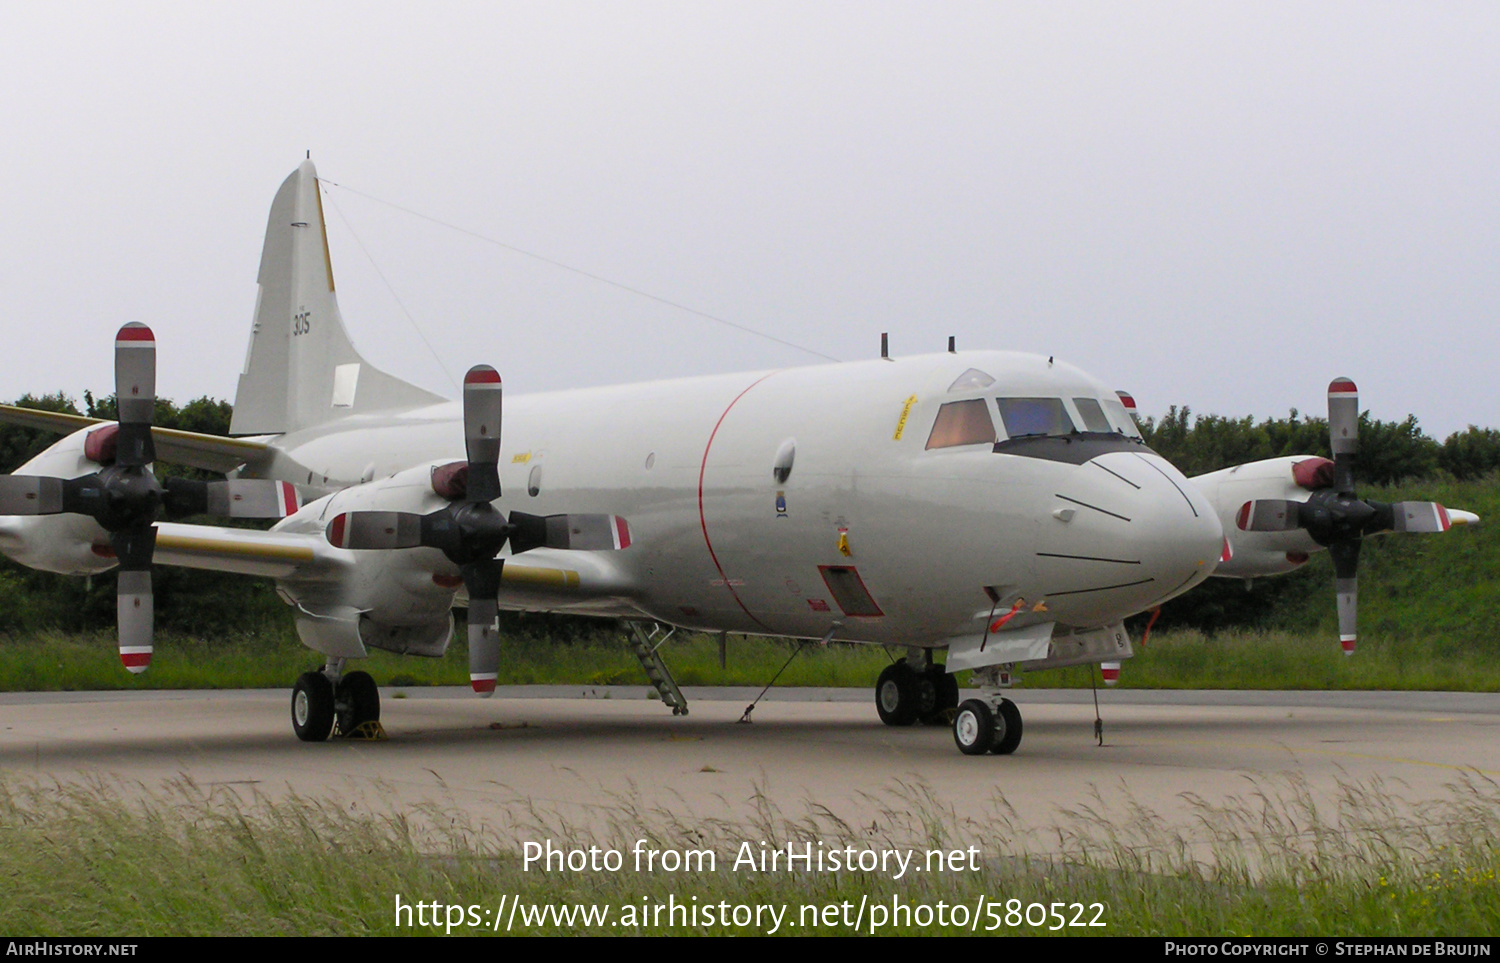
(135, 331)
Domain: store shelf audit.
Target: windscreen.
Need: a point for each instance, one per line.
(1029, 417)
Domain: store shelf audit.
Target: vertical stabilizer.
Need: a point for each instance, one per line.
(301, 369)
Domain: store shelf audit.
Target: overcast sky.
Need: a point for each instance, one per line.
(1211, 204)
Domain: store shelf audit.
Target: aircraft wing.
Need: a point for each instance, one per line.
(250, 552)
(58, 421)
(209, 452)
(193, 449)
(546, 576)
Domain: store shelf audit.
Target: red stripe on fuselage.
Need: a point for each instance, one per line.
(703, 519)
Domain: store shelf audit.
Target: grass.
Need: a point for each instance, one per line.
(96, 860)
(53, 661)
(1270, 659)
(1182, 659)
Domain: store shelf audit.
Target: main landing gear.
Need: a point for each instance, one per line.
(330, 700)
(916, 689)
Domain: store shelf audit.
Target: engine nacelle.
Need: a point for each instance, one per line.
(1254, 554)
(66, 544)
(400, 601)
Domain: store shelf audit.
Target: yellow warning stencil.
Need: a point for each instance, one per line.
(905, 411)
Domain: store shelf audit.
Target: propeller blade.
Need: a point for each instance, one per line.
(135, 394)
(235, 498)
(1345, 554)
(1343, 430)
(482, 432)
(579, 532)
(1420, 517)
(375, 530)
(483, 582)
(30, 495)
(1269, 515)
(134, 602)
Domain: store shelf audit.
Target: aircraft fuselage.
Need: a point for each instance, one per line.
(867, 525)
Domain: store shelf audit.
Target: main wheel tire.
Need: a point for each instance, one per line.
(312, 707)
(945, 696)
(896, 695)
(974, 728)
(1008, 735)
(357, 701)
(947, 689)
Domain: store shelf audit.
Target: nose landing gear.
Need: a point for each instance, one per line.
(979, 729)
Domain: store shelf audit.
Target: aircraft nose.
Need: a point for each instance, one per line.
(1126, 534)
(1180, 537)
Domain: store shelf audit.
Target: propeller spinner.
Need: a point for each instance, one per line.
(1338, 519)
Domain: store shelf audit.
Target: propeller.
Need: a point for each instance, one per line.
(470, 531)
(1335, 517)
(125, 498)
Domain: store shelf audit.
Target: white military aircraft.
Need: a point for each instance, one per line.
(997, 505)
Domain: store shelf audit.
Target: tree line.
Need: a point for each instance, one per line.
(1390, 452)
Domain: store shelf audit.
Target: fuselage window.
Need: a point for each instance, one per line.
(962, 423)
(1121, 419)
(1035, 416)
(1092, 415)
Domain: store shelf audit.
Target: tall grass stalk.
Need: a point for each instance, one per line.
(88, 859)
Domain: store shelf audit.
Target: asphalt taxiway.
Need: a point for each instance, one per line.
(576, 758)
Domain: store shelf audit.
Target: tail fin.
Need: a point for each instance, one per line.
(301, 369)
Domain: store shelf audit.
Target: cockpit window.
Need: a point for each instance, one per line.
(962, 423)
(1024, 417)
(1120, 418)
(1092, 415)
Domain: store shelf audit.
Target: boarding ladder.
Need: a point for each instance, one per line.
(645, 646)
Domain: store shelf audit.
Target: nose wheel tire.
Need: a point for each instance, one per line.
(1009, 729)
(312, 707)
(974, 728)
(978, 729)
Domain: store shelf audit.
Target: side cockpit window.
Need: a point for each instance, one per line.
(1031, 417)
(962, 423)
(1093, 415)
(1121, 419)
